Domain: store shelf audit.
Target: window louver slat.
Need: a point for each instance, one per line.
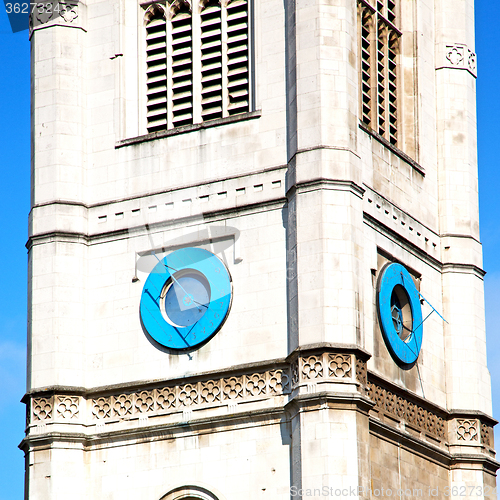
(210, 79)
(182, 105)
(214, 54)
(156, 35)
(212, 88)
(182, 84)
(236, 83)
(155, 57)
(216, 44)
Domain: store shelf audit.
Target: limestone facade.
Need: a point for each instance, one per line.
(305, 202)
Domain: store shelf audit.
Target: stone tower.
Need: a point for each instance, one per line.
(255, 268)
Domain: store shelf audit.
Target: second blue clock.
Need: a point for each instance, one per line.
(186, 298)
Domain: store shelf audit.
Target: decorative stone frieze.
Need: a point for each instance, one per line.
(339, 365)
(361, 372)
(195, 394)
(325, 366)
(54, 408)
(459, 56)
(407, 410)
(469, 428)
(393, 405)
(486, 432)
(60, 13)
(162, 400)
(312, 367)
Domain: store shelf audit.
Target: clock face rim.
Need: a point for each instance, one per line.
(404, 352)
(216, 274)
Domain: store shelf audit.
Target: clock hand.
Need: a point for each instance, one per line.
(161, 326)
(173, 277)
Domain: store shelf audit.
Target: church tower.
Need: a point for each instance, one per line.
(255, 268)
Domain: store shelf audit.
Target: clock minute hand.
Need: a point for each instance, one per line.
(176, 281)
(173, 269)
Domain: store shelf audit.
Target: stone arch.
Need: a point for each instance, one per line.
(177, 6)
(154, 11)
(207, 3)
(190, 492)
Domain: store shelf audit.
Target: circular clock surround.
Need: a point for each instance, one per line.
(186, 298)
(400, 314)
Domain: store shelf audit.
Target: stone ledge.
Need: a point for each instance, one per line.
(188, 128)
(403, 156)
(312, 377)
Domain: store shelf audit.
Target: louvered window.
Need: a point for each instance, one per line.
(198, 62)
(156, 59)
(379, 49)
(182, 68)
(211, 61)
(365, 49)
(237, 56)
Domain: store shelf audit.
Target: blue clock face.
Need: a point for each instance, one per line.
(186, 298)
(400, 314)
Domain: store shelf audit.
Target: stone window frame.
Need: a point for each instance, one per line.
(200, 101)
(191, 492)
(402, 25)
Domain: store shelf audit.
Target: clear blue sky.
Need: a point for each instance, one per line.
(14, 209)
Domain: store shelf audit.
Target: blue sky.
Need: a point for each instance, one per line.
(15, 206)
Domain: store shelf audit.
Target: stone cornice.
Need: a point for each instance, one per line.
(457, 267)
(209, 216)
(323, 183)
(382, 228)
(312, 377)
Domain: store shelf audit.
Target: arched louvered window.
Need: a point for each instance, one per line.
(211, 61)
(379, 49)
(198, 62)
(182, 67)
(366, 66)
(156, 60)
(238, 56)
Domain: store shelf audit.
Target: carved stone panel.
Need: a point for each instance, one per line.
(400, 407)
(185, 397)
(467, 430)
(459, 56)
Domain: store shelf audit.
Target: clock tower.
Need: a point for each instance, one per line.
(254, 257)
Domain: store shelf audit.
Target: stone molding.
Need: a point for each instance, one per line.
(406, 409)
(313, 367)
(459, 56)
(169, 398)
(401, 154)
(395, 405)
(68, 13)
(188, 128)
(471, 428)
(306, 373)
